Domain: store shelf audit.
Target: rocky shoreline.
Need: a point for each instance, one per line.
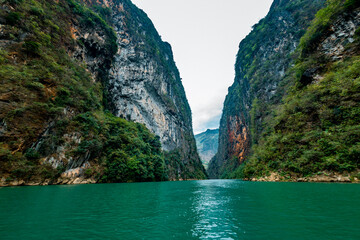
(273, 177)
(323, 177)
(60, 181)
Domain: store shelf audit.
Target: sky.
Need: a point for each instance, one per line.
(205, 37)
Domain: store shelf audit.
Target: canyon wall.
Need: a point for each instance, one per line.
(263, 58)
(90, 93)
(293, 111)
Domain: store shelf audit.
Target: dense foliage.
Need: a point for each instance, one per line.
(261, 70)
(46, 92)
(127, 151)
(317, 127)
(261, 81)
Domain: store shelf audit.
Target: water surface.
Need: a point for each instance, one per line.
(218, 209)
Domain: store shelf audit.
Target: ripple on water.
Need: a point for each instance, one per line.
(214, 209)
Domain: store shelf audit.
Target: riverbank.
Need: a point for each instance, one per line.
(326, 177)
(322, 177)
(61, 181)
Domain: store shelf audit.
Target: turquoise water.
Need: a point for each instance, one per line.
(218, 209)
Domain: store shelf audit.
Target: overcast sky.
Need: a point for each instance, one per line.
(205, 35)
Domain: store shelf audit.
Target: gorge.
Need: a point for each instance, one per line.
(97, 134)
(90, 93)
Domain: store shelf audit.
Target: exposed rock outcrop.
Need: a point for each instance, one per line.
(103, 56)
(143, 90)
(263, 58)
(145, 86)
(341, 33)
(295, 97)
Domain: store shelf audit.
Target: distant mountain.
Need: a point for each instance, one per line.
(207, 145)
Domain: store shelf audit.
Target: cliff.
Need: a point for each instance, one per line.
(207, 145)
(262, 61)
(285, 114)
(75, 79)
(145, 86)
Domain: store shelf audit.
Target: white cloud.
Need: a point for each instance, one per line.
(207, 115)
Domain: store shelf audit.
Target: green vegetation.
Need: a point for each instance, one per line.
(92, 19)
(44, 89)
(317, 129)
(321, 24)
(181, 170)
(317, 126)
(126, 151)
(13, 17)
(261, 78)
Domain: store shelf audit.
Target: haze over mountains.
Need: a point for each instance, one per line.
(207, 145)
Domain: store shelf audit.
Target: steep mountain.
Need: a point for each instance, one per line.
(145, 86)
(207, 145)
(263, 59)
(90, 93)
(300, 123)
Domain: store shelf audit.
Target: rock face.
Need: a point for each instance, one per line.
(33, 150)
(341, 33)
(264, 57)
(292, 109)
(145, 86)
(207, 145)
(106, 56)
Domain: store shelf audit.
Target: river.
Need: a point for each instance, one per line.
(213, 209)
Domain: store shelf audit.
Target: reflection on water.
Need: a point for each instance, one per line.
(211, 203)
(214, 209)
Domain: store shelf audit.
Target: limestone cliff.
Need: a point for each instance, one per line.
(145, 86)
(315, 131)
(296, 104)
(263, 58)
(67, 67)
